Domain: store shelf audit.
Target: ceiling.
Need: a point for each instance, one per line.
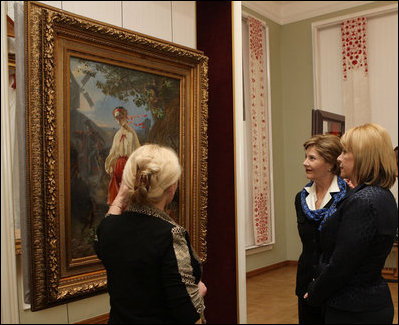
(286, 12)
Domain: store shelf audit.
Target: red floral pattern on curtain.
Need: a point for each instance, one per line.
(260, 168)
(354, 45)
(355, 82)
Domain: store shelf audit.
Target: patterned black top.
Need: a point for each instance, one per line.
(152, 270)
(355, 243)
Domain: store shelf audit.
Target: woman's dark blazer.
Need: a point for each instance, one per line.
(152, 271)
(355, 242)
(310, 237)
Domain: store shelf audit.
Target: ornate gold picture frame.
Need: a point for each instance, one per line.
(78, 71)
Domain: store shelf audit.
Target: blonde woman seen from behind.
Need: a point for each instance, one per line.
(357, 239)
(153, 272)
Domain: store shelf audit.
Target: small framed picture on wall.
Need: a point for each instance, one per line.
(327, 123)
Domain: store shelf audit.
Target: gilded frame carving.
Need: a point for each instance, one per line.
(49, 33)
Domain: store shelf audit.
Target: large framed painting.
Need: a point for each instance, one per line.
(85, 81)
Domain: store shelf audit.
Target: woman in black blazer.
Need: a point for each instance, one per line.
(153, 274)
(313, 205)
(357, 239)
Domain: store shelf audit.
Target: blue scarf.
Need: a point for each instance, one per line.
(324, 213)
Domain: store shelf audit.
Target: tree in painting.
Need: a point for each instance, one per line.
(158, 94)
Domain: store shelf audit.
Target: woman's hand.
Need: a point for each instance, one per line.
(121, 200)
(202, 288)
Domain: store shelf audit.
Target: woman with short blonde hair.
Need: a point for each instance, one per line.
(357, 239)
(372, 149)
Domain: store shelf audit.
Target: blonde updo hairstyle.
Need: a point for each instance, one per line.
(374, 159)
(149, 171)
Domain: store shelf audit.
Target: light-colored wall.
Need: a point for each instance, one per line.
(297, 81)
(382, 60)
(292, 102)
(173, 21)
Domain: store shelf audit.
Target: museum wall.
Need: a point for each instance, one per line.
(297, 78)
(291, 125)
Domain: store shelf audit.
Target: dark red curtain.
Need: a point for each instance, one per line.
(214, 37)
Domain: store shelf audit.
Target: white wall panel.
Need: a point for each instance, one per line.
(183, 20)
(173, 21)
(88, 308)
(55, 4)
(383, 72)
(239, 162)
(106, 11)
(10, 9)
(9, 296)
(53, 315)
(149, 17)
(331, 74)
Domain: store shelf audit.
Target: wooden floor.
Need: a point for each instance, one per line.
(271, 297)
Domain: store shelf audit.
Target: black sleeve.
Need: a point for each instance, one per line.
(354, 237)
(97, 247)
(185, 304)
(298, 208)
(98, 237)
(297, 201)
